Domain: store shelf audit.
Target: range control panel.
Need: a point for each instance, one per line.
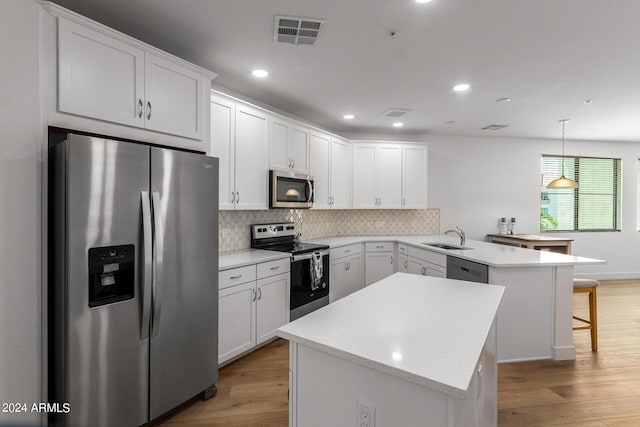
(265, 231)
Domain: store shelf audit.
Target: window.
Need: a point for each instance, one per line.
(594, 206)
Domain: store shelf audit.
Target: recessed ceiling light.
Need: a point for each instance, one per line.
(348, 117)
(461, 87)
(398, 124)
(588, 101)
(423, 1)
(503, 100)
(450, 122)
(260, 73)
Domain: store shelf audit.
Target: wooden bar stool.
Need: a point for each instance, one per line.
(588, 286)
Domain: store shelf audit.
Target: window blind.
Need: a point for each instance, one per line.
(594, 206)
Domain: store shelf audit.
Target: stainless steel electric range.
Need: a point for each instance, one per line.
(309, 265)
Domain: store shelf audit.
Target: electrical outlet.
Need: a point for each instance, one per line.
(366, 415)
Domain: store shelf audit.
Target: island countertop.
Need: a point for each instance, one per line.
(426, 330)
(491, 254)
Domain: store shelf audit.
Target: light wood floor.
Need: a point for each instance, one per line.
(597, 389)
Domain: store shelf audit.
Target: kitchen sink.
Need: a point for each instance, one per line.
(446, 246)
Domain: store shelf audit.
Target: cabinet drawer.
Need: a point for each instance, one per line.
(402, 249)
(236, 276)
(429, 256)
(272, 268)
(380, 247)
(346, 251)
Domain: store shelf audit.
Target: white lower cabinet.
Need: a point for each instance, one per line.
(379, 261)
(426, 263)
(346, 274)
(249, 313)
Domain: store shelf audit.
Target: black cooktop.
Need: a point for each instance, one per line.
(295, 248)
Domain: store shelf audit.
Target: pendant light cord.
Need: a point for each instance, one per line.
(563, 122)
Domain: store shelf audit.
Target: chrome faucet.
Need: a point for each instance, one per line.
(460, 232)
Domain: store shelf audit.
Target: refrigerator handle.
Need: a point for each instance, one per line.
(148, 260)
(158, 250)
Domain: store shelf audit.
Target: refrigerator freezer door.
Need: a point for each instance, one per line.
(184, 342)
(105, 375)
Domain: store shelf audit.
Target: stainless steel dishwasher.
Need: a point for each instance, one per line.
(470, 271)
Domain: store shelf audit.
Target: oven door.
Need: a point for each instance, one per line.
(307, 296)
(290, 191)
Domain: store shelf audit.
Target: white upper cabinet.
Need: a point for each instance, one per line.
(340, 174)
(414, 176)
(377, 176)
(240, 139)
(330, 161)
(319, 168)
(106, 78)
(289, 146)
(389, 176)
(174, 98)
(99, 76)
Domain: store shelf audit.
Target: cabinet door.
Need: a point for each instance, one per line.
(389, 176)
(279, 151)
(98, 76)
(365, 194)
(222, 141)
(354, 274)
(174, 98)
(340, 181)
(378, 266)
(272, 307)
(236, 320)
(403, 263)
(414, 177)
(252, 158)
(299, 148)
(319, 169)
(417, 267)
(338, 280)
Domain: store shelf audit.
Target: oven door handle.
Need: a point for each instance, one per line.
(303, 257)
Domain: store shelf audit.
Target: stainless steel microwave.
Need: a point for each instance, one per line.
(289, 190)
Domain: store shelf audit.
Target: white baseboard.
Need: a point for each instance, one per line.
(564, 352)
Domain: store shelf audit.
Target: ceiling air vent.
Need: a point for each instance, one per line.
(289, 29)
(396, 112)
(495, 127)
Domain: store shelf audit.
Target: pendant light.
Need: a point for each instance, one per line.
(563, 181)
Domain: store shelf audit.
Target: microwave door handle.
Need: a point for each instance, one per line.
(310, 191)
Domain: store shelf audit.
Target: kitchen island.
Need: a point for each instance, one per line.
(535, 317)
(408, 350)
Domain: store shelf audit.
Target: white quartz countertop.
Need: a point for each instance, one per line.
(491, 254)
(426, 330)
(227, 260)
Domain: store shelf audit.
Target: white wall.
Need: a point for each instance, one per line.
(474, 181)
(19, 209)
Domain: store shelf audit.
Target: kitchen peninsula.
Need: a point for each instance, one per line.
(535, 317)
(408, 350)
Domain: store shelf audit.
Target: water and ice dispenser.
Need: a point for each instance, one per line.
(111, 274)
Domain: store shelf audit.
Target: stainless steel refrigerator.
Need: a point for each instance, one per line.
(133, 289)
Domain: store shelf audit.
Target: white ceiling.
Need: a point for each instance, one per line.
(549, 56)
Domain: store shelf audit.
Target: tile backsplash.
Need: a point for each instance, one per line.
(234, 231)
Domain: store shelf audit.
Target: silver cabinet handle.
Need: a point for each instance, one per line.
(140, 108)
(237, 197)
(424, 271)
(404, 201)
(254, 293)
(379, 202)
(158, 264)
(294, 162)
(233, 197)
(391, 259)
(347, 251)
(235, 277)
(290, 162)
(379, 246)
(406, 264)
(259, 294)
(147, 275)
(148, 110)
(275, 268)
